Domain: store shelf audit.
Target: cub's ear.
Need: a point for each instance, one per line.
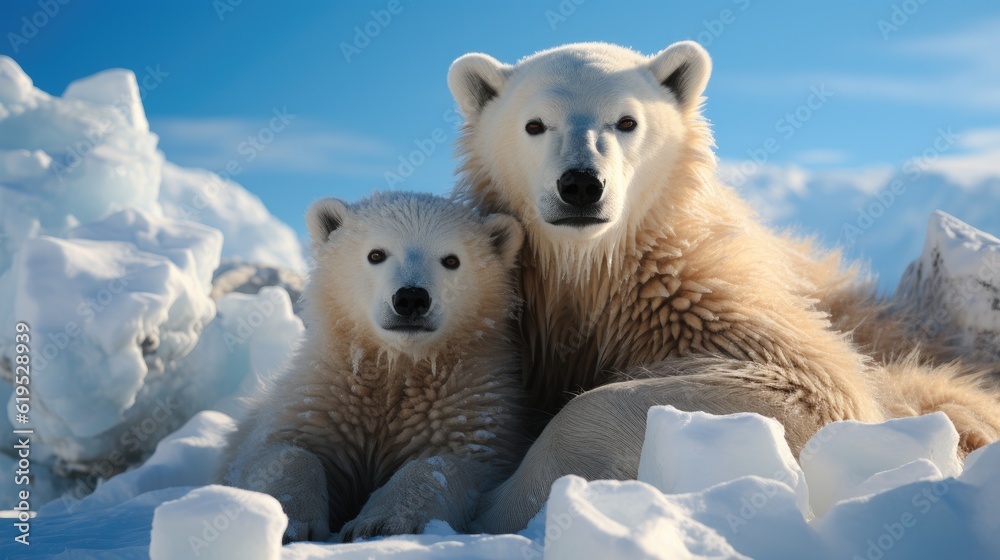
(324, 217)
(506, 237)
(474, 80)
(683, 68)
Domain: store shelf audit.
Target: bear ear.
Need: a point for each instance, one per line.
(475, 79)
(506, 237)
(683, 68)
(324, 217)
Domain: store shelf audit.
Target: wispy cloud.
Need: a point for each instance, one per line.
(957, 69)
(300, 146)
(976, 161)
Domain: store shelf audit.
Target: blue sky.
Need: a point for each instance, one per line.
(933, 64)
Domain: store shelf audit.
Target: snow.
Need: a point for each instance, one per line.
(679, 445)
(218, 523)
(130, 337)
(251, 232)
(910, 511)
(624, 520)
(956, 283)
(838, 467)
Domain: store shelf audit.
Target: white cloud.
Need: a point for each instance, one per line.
(212, 143)
(977, 159)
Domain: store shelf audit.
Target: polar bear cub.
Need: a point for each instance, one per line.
(404, 402)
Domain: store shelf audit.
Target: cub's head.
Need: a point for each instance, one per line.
(578, 140)
(410, 272)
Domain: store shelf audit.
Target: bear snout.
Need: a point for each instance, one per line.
(411, 302)
(580, 188)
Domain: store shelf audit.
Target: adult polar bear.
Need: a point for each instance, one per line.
(641, 268)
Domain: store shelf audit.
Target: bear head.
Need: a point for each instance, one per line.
(410, 273)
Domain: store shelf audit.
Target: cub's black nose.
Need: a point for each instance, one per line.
(580, 188)
(411, 301)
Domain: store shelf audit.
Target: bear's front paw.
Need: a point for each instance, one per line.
(314, 529)
(383, 525)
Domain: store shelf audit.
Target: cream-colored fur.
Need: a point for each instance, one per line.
(681, 290)
(421, 422)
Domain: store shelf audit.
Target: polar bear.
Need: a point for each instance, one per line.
(407, 385)
(642, 269)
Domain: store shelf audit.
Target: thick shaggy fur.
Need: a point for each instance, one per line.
(684, 293)
(429, 419)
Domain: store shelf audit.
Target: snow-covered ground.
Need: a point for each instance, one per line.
(709, 487)
(108, 253)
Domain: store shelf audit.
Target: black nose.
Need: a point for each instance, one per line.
(411, 302)
(580, 187)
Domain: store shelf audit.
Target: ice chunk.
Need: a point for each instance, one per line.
(914, 471)
(843, 455)
(955, 285)
(692, 451)
(250, 340)
(251, 232)
(945, 518)
(218, 522)
(66, 161)
(115, 87)
(103, 314)
(758, 517)
(247, 278)
(626, 520)
(192, 247)
(109, 316)
(188, 457)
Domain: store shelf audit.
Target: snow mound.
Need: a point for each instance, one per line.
(252, 234)
(105, 314)
(71, 160)
(624, 520)
(841, 459)
(218, 523)
(108, 254)
(956, 284)
(911, 511)
(679, 445)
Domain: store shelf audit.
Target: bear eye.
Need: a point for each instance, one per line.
(534, 127)
(626, 124)
(450, 262)
(376, 256)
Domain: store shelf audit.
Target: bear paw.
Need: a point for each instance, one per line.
(383, 525)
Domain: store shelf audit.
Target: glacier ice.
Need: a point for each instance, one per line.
(108, 253)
